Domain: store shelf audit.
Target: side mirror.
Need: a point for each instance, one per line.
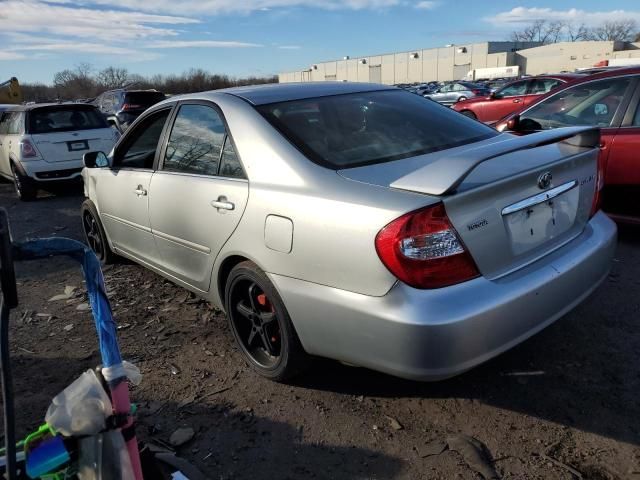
(95, 160)
(493, 95)
(513, 123)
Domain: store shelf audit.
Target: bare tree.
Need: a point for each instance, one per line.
(540, 31)
(577, 33)
(81, 82)
(622, 30)
(112, 77)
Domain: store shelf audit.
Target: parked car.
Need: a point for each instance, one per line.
(354, 221)
(609, 100)
(451, 93)
(44, 143)
(121, 107)
(511, 97)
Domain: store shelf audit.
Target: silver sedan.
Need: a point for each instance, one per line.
(356, 222)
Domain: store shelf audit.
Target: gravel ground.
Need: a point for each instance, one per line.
(562, 405)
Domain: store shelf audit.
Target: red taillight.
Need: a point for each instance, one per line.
(599, 184)
(27, 150)
(423, 250)
(131, 106)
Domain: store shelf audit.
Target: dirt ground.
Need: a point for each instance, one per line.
(563, 405)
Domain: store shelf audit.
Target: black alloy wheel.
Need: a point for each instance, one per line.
(261, 324)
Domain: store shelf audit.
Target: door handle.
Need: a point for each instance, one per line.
(140, 191)
(517, 100)
(222, 204)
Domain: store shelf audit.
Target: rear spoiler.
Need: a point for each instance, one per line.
(446, 174)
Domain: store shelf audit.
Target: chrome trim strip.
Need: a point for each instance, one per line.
(127, 222)
(539, 198)
(184, 243)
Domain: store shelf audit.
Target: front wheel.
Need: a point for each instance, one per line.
(25, 188)
(94, 234)
(469, 113)
(261, 324)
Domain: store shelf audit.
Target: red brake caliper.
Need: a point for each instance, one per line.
(262, 300)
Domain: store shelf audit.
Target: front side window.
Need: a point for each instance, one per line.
(65, 119)
(350, 130)
(513, 90)
(543, 85)
(139, 147)
(592, 103)
(196, 141)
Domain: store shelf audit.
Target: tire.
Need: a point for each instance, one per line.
(26, 189)
(94, 233)
(261, 324)
(461, 99)
(469, 113)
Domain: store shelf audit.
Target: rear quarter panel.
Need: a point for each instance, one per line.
(335, 220)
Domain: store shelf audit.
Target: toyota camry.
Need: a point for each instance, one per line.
(356, 222)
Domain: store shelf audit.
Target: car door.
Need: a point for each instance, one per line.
(122, 191)
(623, 163)
(505, 101)
(440, 95)
(198, 193)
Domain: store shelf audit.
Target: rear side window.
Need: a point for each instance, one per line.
(636, 120)
(196, 141)
(543, 85)
(65, 119)
(11, 123)
(356, 129)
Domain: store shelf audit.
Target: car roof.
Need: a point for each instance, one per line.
(283, 92)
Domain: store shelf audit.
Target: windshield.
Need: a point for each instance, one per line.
(65, 118)
(591, 103)
(357, 129)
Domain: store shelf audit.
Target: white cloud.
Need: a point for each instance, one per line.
(426, 5)
(214, 7)
(524, 15)
(10, 56)
(200, 44)
(289, 47)
(106, 25)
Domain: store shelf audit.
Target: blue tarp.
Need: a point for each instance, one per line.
(105, 325)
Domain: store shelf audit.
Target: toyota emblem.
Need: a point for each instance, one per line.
(544, 180)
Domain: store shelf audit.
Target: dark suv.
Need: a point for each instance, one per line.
(122, 107)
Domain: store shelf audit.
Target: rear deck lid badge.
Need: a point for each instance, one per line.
(544, 180)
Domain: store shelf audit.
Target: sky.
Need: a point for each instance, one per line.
(256, 37)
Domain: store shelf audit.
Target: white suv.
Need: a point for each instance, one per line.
(45, 142)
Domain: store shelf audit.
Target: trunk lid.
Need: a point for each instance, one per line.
(68, 146)
(511, 199)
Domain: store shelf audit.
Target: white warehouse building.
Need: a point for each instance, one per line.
(454, 62)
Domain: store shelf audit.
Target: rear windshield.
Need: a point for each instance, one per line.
(357, 129)
(65, 118)
(143, 99)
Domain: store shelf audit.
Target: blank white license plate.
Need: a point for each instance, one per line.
(79, 145)
(541, 223)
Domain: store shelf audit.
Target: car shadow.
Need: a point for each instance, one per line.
(580, 372)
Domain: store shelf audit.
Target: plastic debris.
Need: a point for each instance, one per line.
(181, 436)
(475, 454)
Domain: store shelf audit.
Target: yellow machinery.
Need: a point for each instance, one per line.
(10, 91)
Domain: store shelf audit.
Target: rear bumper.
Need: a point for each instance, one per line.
(41, 171)
(435, 334)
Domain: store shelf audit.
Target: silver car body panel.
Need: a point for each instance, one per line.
(436, 334)
(313, 230)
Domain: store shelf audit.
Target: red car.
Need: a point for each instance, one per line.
(610, 100)
(511, 97)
